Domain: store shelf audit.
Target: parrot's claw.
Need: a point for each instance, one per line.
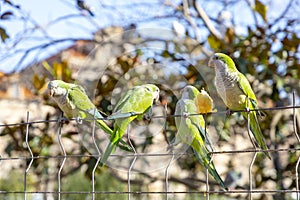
(185, 114)
(247, 110)
(147, 117)
(170, 147)
(228, 112)
(62, 120)
(79, 120)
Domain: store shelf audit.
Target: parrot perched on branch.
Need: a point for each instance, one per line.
(191, 130)
(74, 102)
(133, 105)
(237, 94)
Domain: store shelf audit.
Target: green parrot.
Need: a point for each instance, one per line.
(236, 92)
(74, 102)
(191, 130)
(133, 105)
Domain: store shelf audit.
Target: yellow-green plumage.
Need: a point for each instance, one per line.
(135, 102)
(74, 102)
(191, 130)
(236, 92)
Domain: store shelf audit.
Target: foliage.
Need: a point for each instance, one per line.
(267, 52)
(13, 182)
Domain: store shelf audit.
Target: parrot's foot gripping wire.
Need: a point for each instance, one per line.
(170, 147)
(62, 120)
(228, 112)
(185, 114)
(247, 110)
(79, 120)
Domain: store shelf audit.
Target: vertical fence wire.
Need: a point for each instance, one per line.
(167, 175)
(253, 143)
(31, 155)
(298, 139)
(250, 176)
(172, 152)
(207, 183)
(250, 192)
(99, 154)
(131, 165)
(60, 120)
(211, 158)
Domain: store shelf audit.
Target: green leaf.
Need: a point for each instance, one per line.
(261, 9)
(214, 43)
(3, 34)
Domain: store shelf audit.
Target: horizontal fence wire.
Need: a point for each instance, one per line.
(156, 192)
(62, 158)
(79, 120)
(147, 154)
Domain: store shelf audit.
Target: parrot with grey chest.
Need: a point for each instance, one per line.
(75, 103)
(237, 94)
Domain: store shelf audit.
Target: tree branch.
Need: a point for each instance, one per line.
(207, 21)
(187, 16)
(283, 13)
(253, 12)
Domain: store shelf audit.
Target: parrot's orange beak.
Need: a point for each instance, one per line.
(51, 92)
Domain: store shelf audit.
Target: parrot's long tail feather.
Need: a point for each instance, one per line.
(211, 169)
(123, 145)
(104, 127)
(109, 149)
(216, 176)
(256, 131)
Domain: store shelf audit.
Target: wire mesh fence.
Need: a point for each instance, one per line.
(29, 158)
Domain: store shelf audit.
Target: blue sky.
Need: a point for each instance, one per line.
(78, 24)
(107, 13)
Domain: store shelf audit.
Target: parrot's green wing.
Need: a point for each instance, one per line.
(245, 86)
(195, 122)
(236, 92)
(191, 132)
(78, 98)
(254, 123)
(203, 134)
(137, 100)
(188, 106)
(125, 106)
(124, 99)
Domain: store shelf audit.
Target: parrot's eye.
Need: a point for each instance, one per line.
(148, 89)
(217, 57)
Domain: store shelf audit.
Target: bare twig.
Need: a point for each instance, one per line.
(253, 12)
(281, 16)
(207, 21)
